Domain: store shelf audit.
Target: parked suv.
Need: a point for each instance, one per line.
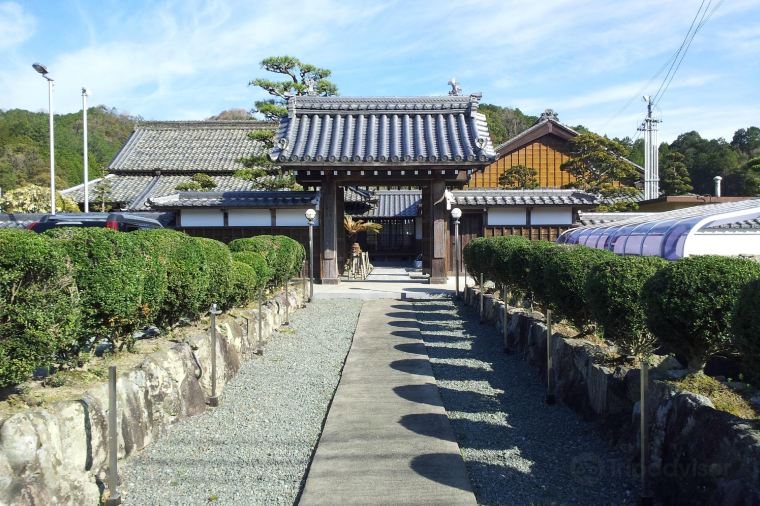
(124, 222)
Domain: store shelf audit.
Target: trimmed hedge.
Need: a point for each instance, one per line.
(183, 259)
(746, 328)
(39, 304)
(218, 265)
(614, 291)
(258, 263)
(121, 287)
(67, 289)
(477, 256)
(282, 254)
(243, 284)
(566, 270)
(690, 303)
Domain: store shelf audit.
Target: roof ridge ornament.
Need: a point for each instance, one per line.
(456, 90)
(549, 114)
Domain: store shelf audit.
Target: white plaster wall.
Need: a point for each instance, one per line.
(506, 216)
(202, 218)
(249, 218)
(551, 216)
(293, 218)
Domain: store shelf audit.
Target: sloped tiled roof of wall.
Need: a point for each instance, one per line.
(189, 146)
(523, 197)
(267, 199)
(383, 130)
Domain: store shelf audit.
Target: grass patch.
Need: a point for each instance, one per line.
(721, 395)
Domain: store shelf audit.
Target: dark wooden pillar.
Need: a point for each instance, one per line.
(328, 231)
(341, 231)
(439, 239)
(427, 229)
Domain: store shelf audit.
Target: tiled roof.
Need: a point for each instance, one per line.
(602, 218)
(356, 194)
(394, 204)
(546, 124)
(189, 146)
(523, 197)
(133, 192)
(123, 189)
(747, 225)
(635, 198)
(236, 199)
(383, 130)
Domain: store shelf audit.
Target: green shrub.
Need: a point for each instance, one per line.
(565, 272)
(187, 277)
(120, 285)
(244, 283)
(258, 263)
(39, 304)
(474, 256)
(614, 290)
(689, 304)
(746, 329)
(292, 253)
(283, 255)
(218, 264)
(502, 251)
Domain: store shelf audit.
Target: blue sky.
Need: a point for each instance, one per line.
(590, 60)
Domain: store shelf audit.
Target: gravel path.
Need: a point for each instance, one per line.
(255, 447)
(517, 449)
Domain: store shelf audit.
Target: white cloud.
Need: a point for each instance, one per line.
(16, 26)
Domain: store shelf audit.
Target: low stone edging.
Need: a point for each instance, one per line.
(58, 454)
(699, 455)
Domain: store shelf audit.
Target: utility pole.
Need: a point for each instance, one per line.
(651, 154)
(85, 150)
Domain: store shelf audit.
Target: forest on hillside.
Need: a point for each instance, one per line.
(688, 164)
(25, 153)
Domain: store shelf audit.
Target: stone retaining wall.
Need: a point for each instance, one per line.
(58, 454)
(698, 455)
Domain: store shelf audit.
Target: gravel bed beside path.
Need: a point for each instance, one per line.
(254, 448)
(517, 449)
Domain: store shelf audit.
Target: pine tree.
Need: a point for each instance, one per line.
(520, 177)
(674, 175)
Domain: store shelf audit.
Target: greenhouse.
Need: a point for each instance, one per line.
(718, 229)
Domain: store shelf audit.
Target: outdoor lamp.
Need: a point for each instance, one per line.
(310, 215)
(43, 71)
(456, 213)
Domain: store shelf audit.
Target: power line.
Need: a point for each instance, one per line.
(674, 62)
(683, 44)
(705, 18)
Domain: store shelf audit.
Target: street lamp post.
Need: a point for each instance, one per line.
(86, 158)
(310, 215)
(43, 71)
(456, 213)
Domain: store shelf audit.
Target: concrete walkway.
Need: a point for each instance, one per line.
(388, 282)
(387, 438)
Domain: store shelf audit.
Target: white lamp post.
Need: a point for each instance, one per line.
(456, 213)
(44, 73)
(310, 215)
(86, 158)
